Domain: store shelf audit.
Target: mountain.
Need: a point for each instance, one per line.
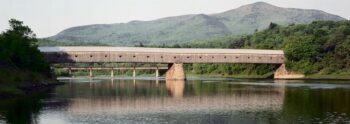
(181, 29)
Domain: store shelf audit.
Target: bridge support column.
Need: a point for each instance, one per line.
(282, 73)
(70, 72)
(134, 73)
(90, 70)
(157, 72)
(112, 73)
(175, 72)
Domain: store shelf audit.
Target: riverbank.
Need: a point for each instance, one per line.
(240, 76)
(267, 76)
(16, 83)
(343, 76)
(329, 77)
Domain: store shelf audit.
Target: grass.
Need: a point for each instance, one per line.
(338, 75)
(331, 76)
(267, 75)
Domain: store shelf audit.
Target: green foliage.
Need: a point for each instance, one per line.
(47, 42)
(272, 25)
(301, 47)
(319, 47)
(18, 49)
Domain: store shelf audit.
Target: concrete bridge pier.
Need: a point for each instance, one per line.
(282, 73)
(175, 72)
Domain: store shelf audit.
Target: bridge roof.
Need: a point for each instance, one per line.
(158, 50)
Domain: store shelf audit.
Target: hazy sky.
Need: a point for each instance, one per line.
(48, 17)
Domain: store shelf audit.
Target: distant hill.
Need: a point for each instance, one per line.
(181, 29)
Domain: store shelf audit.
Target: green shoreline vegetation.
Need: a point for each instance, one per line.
(319, 50)
(23, 68)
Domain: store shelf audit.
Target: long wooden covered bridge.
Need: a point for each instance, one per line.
(174, 57)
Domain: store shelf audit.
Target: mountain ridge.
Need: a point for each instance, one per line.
(186, 28)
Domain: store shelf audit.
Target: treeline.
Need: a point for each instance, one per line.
(322, 47)
(47, 42)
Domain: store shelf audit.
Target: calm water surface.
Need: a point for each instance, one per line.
(85, 101)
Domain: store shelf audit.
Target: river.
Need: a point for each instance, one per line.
(199, 100)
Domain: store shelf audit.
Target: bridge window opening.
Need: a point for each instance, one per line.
(282, 58)
(147, 56)
(76, 56)
(248, 57)
(271, 58)
(188, 57)
(212, 57)
(106, 56)
(200, 57)
(134, 56)
(225, 57)
(90, 56)
(237, 57)
(174, 57)
(259, 57)
(120, 56)
(161, 56)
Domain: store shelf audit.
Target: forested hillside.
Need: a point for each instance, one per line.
(182, 29)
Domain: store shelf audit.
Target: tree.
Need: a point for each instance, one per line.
(141, 44)
(272, 25)
(18, 45)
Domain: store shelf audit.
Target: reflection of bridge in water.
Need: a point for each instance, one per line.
(174, 57)
(177, 98)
